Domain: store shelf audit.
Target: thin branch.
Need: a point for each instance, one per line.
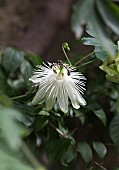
(111, 145)
(72, 132)
(23, 95)
(62, 134)
(56, 129)
(99, 165)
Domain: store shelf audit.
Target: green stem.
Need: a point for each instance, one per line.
(31, 157)
(86, 63)
(84, 58)
(18, 97)
(56, 129)
(66, 55)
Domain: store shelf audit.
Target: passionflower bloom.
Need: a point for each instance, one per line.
(58, 82)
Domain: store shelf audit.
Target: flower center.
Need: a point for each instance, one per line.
(59, 72)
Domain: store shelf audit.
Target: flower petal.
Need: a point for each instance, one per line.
(74, 95)
(49, 103)
(62, 98)
(40, 95)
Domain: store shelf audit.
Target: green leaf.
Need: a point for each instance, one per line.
(90, 41)
(97, 109)
(80, 115)
(40, 123)
(112, 73)
(43, 113)
(109, 70)
(110, 14)
(16, 160)
(63, 128)
(18, 85)
(2, 74)
(9, 161)
(114, 129)
(114, 78)
(80, 17)
(58, 149)
(11, 59)
(90, 31)
(93, 106)
(4, 100)
(23, 108)
(100, 53)
(69, 155)
(85, 151)
(4, 87)
(12, 131)
(3, 81)
(33, 59)
(100, 149)
(26, 70)
(101, 115)
(100, 33)
(94, 21)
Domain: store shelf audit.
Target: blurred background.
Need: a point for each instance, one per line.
(42, 26)
(38, 26)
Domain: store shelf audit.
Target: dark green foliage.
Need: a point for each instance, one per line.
(98, 14)
(11, 59)
(59, 149)
(100, 149)
(62, 136)
(85, 151)
(15, 70)
(114, 129)
(20, 120)
(101, 115)
(110, 13)
(41, 122)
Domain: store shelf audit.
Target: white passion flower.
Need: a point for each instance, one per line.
(58, 82)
